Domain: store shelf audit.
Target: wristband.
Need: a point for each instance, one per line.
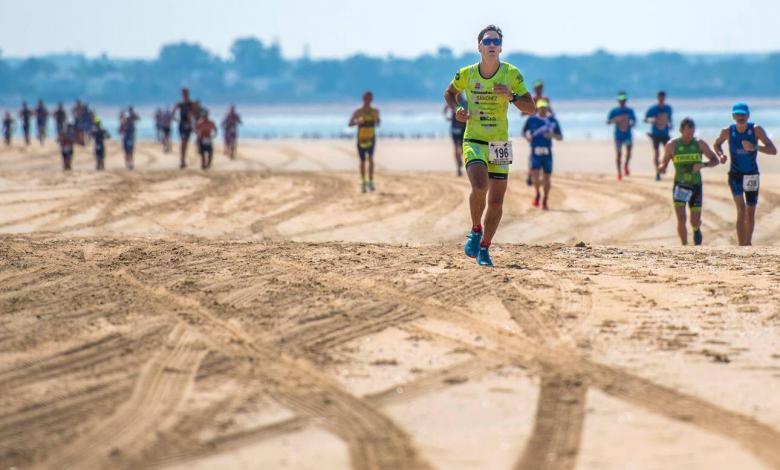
(514, 98)
(458, 109)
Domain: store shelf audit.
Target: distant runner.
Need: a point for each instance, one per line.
(186, 120)
(686, 152)
(206, 130)
(24, 114)
(230, 125)
(158, 124)
(457, 129)
(366, 118)
(60, 118)
(9, 123)
(538, 96)
(624, 119)
(41, 121)
(127, 131)
(490, 86)
(166, 121)
(659, 116)
(744, 138)
(99, 136)
(67, 139)
(540, 130)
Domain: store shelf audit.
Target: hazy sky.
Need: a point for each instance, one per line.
(137, 28)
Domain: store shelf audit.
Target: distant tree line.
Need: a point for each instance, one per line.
(256, 72)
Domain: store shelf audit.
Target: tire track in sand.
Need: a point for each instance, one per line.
(163, 384)
(374, 441)
(753, 435)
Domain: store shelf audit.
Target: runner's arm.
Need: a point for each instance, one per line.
(376, 124)
(668, 154)
(451, 98)
(525, 103)
(707, 152)
(558, 133)
(353, 119)
(769, 146)
(724, 136)
(650, 116)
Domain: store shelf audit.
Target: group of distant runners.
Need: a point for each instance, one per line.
(477, 103)
(85, 126)
(746, 140)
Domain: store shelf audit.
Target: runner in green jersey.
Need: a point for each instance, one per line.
(686, 153)
(490, 86)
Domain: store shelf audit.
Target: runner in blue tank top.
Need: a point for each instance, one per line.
(624, 120)
(744, 138)
(659, 116)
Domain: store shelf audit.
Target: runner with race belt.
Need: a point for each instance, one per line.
(67, 139)
(9, 123)
(366, 118)
(206, 130)
(457, 129)
(99, 136)
(623, 118)
(659, 116)
(686, 152)
(490, 86)
(25, 113)
(41, 120)
(540, 130)
(743, 137)
(187, 110)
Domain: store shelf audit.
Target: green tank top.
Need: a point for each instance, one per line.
(685, 156)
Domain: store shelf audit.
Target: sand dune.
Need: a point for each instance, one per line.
(267, 315)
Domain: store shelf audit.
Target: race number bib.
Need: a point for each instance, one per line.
(500, 153)
(541, 151)
(682, 194)
(750, 182)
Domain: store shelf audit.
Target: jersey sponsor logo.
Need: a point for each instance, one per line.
(478, 86)
(687, 158)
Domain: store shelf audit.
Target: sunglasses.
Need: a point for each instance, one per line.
(493, 41)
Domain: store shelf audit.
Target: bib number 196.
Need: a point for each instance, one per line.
(500, 153)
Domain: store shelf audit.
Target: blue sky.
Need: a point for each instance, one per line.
(336, 28)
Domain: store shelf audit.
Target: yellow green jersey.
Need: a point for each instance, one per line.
(685, 156)
(487, 120)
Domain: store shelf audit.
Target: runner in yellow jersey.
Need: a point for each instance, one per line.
(366, 118)
(490, 86)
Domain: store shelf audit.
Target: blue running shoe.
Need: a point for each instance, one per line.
(697, 237)
(483, 258)
(472, 244)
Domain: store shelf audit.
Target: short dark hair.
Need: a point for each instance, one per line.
(490, 27)
(661, 93)
(687, 122)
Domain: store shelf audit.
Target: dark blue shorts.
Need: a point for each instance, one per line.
(623, 138)
(736, 183)
(128, 145)
(659, 139)
(367, 151)
(542, 162)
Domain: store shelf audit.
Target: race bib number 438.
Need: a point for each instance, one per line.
(750, 182)
(500, 153)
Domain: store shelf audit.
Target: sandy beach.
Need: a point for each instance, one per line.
(266, 314)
